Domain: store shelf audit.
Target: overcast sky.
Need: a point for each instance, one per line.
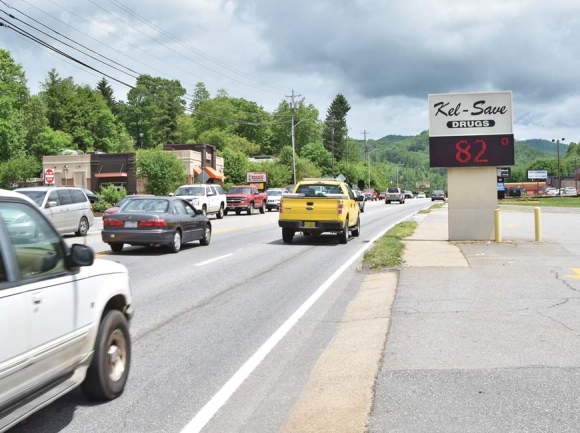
(384, 56)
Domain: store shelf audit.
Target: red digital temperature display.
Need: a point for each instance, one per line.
(471, 151)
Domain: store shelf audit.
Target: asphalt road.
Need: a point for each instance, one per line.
(202, 313)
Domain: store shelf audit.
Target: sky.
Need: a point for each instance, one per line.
(384, 56)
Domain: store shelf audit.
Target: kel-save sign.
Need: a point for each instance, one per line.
(471, 129)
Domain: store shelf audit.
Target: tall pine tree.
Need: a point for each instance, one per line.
(334, 134)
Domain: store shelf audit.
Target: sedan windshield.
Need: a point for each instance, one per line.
(190, 190)
(240, 190)
(37, 196)
(146, 206)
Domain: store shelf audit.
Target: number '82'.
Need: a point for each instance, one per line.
(464, 151)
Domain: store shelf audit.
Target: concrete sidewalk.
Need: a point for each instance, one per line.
(484, 336)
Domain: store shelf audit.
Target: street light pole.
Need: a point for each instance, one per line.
(293, 105)
(559, 172)
(398, 174)
(369, 164)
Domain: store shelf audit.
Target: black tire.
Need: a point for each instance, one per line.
(101, 383)
(387, 202)
(356, 231)
(432, 199)
(263, 208)
(206, 235)
(116, 247)
(238, 211)
(269, 209)
(175, 244)
(225, 211)
(220, 214)
(343, 235)
(204, 210)
(402, 202)
(287, 235)
(83, 227)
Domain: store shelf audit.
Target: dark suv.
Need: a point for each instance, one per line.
(438, 195)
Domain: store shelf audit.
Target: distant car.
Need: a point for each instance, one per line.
(210, 198)
(167, 221)
(438, 194)
(361, 203)
(551, 191)
(117, 206)
(570, 190)
(408, 194)
(274, 197)
(382, 196)
(394, 194)
(370, 194)
(90, 195)
(421, 195)
(290, 188)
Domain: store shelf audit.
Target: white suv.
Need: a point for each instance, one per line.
(210, 198)
(64, 316)
(274, 197)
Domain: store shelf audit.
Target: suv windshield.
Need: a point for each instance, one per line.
(274, 193)
(37, 196)
(240, 190)
(391, 190)
(190, 190)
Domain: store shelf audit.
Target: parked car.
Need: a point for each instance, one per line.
(570, 190)
(65, 315)
(551, 191)
(438, 194)
(290, 188)
(90, 195)
(67, 208)
(166, 221)
(120, 203)
(361, 202)
(210, 198)
(371, 194)
(516, 191)
(421, 195)
(381, 196)
(274, 196)
(408, 194)
(245, 198)
(394, 194)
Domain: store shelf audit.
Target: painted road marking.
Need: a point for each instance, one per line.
(207, 412)
(576, 275)
(207, 262)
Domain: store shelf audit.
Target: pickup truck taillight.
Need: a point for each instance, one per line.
(280, 206)
(340, 207)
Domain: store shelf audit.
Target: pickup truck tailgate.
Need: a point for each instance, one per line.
(310, 208)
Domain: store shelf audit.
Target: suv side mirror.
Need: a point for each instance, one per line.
(81, 255)
(51, 204)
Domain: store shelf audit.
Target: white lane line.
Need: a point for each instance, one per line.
(207, 412)
(207, 262)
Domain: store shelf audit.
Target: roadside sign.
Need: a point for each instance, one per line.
(504, 172)
(257, 177)
(426, 184)
(471, 129)
(537, 174)
(203, 177)
(341, 178)
(501, 186)
(49, 176)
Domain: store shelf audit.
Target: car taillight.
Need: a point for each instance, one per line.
(153, 223)
(108, 222)
(340, 207)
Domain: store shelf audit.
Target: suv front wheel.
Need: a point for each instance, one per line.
(109, 369)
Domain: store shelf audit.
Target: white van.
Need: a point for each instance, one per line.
(68, 208)
(210, 198)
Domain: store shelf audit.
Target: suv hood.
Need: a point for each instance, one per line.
(237, 195)
(102, 267)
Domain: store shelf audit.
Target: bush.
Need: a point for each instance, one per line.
(110, 194)
(101, 206)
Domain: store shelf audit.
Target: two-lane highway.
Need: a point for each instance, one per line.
(204, 313)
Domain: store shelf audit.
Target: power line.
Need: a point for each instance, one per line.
(178, 53)
(193, 49)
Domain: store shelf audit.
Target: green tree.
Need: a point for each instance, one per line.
(200, 94)
(235, 166)
(50, 142)
(12, 131)
(549, 164)
(15, 171)
(12, 80)
(34, 118)
(321, 157)
(335, 126)
(106, 91)
(308, 128)
(162, 171)
(227, 140)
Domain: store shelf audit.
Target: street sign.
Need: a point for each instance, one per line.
(426, 184)
(537, 174)
(203, 177)
(504, 172)
(471, 129)
(49, 176)
(501, 186)
(341, 178)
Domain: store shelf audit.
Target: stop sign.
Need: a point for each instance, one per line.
(49, 176)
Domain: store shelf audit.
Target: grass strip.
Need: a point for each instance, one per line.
(542, 201)
(435, 206)
(387, 251)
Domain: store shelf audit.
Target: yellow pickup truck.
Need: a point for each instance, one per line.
(320, 206)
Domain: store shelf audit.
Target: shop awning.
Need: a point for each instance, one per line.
(196, 171)
(108, 175)
(214, 174)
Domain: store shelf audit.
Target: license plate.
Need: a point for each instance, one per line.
(131, 224)
(309, 224)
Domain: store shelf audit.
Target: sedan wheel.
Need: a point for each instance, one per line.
(206, 236)
(83, 227)
(176, 243)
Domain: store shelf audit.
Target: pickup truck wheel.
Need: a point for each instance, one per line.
(402, 202)
(287, 235)
(343, 236)
(206, 236)
(109, 369)
(263, 208)
(387, 202)
(250, 209)
(238, 211)
(204, 210)
(356, 230)
(220, 213)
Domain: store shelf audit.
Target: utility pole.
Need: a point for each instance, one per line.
(365, 132)
(292, 107)
(332, 143)
(346, 138)
(575, 176)
(559, 173)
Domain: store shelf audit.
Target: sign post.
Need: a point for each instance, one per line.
(471, 134)
(49, 176)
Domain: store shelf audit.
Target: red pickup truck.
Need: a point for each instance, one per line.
(245, 198)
